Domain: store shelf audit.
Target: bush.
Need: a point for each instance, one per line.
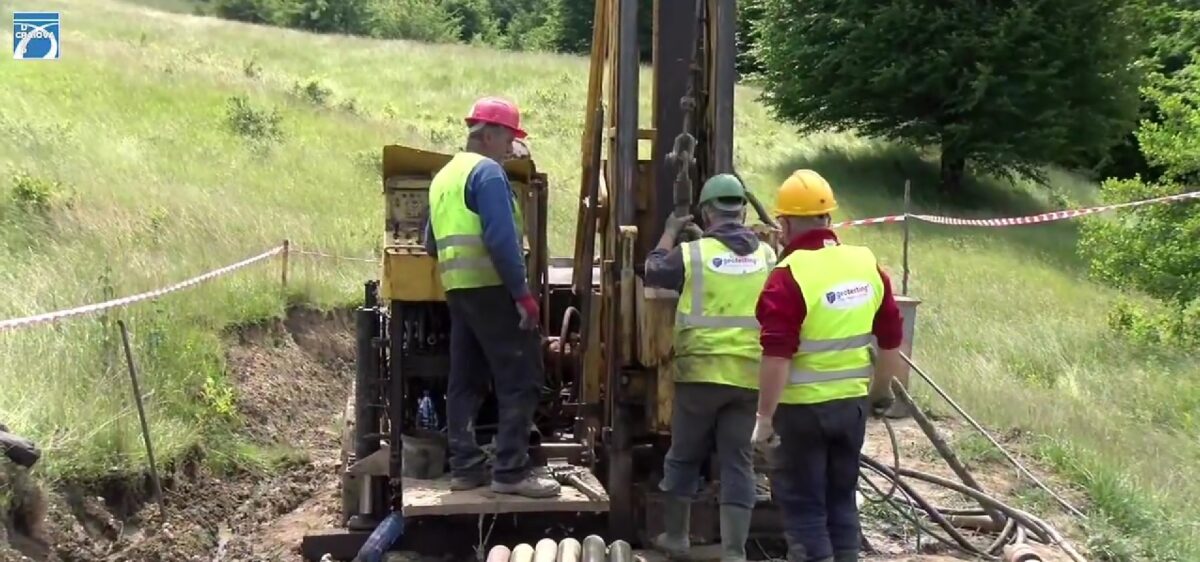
(419, 20)
(330, 16)
(35, 194)
(252, 11)
(252, 123)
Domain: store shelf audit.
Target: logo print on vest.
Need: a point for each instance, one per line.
(849, 295)
(733, 264)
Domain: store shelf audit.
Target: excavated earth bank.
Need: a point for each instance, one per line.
(292, 378)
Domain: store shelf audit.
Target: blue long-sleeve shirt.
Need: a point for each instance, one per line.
(489, 195)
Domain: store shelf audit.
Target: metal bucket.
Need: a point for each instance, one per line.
(424, 454)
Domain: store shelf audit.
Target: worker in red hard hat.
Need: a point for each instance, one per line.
(474, 231)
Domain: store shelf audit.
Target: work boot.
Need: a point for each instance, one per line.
(677, 525)
(735, 529)
(467, 482)
(845, 556)
(533, 485)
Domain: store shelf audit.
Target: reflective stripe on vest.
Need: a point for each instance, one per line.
(842, 290)
(463, 260)
(716, 333)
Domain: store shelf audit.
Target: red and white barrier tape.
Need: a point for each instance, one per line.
(1031, 219)
(876, 220)
(124, 301)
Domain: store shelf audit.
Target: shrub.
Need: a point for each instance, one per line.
(412, 19)
(251, 11)
(252, 123)
(35, 194)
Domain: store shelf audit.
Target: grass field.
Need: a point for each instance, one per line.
(121, 173)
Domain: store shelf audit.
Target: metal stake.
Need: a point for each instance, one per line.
(137, 396)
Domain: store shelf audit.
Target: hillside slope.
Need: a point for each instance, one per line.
(129, 166)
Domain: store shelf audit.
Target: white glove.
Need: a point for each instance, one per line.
(763, 432)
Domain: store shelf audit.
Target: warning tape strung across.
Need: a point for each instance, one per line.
(876, 220)
(1031, 219)
(124, 301)
(15, 323)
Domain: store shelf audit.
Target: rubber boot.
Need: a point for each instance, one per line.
(677, 519)
(735, 529)
(845, 556)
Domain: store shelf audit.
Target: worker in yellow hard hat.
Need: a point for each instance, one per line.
(821, 310)
(718, 278)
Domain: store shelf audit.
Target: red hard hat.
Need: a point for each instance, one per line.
(498, 112)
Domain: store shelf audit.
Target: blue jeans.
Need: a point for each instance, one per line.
(488, 348)
(814, 476)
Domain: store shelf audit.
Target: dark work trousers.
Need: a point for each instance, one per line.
(704, 416)
(487, 346)
(814, 475)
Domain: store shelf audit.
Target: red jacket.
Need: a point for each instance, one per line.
(781, 309)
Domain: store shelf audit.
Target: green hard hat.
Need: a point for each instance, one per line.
(720, 190)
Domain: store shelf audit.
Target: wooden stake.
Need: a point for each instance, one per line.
(283, 274)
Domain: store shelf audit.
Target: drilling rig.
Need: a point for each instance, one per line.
(603, 425)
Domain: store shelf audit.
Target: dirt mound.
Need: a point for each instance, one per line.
(292, 378)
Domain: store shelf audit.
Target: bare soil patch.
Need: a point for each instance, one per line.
(292, 378)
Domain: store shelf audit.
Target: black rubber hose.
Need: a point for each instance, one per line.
(1023, 518)
(925, 506)
(955, 539)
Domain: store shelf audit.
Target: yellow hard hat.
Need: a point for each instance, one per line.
(804, 194)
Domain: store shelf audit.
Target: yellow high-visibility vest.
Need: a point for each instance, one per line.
(842, 291)
(716, 333)
(463, 260)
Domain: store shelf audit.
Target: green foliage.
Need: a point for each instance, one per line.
(750, 14)
(576, 24)
(419, 20)
(1154, 249)
(36, 194)
(329, 16)
(252, 11)
(1007, 86)
(258, 125)
(477, 22)
(509, 24)
(1172, 31)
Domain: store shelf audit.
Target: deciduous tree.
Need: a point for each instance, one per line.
(1006, 86)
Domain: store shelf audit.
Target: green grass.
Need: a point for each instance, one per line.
(138, 181)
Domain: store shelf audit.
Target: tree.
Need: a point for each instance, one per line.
(1006, 86)
(1173, 31)
(749, 14)
(1154, 249)
(575, 26)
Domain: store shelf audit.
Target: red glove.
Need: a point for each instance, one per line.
(527, 308)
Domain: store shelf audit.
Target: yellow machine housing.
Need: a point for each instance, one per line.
(408, 272)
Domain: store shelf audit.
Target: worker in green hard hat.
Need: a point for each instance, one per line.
(716, 361)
